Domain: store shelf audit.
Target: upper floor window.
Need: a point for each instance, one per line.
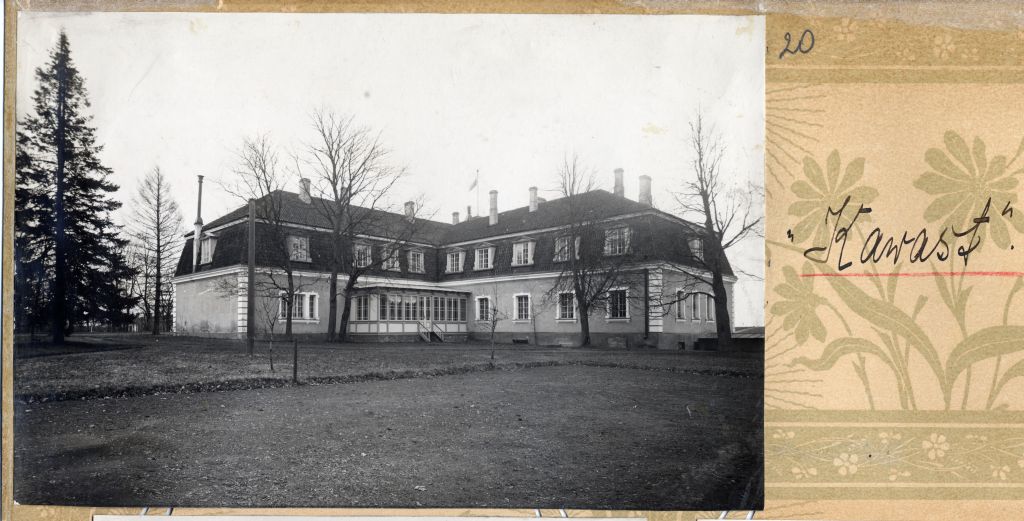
(618, 304)
(206, 247)
(391, 260)
(298, 248)
(564, 246)
(455, 261)
(416, 261)
(363, 255)
(522, 253)
(522, 307)
(484, 258)
(697, 248)
(566, 306)
(616, 241)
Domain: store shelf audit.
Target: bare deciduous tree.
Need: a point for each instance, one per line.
(586, 271)
(156, 231)
(257, 177)
(729, 215)
(351, 180)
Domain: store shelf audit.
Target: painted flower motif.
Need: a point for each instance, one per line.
(943, 47)
(897, 474)
(799, 305)
(824, 190)
(801, 472)
(845, 30)
(970, 54)
(1020, 462)
(886, 437)
(936, 446)
(1000, 472)
(781, 434)
(965, 179)
(906, 54)
(846, 463)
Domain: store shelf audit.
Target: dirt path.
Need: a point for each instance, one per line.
(569, 436)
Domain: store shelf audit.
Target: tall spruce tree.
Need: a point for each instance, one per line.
(64, 232)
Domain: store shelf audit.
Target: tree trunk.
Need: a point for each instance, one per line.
(723, 322)
(346, 313)
(289, 303)
(584, 326)
(159, 290)
(332, 312)
(60, 282)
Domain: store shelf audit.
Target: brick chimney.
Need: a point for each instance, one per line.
(455, 217)
(533, 199)
(304, 191)
(469, 212)
(620, 189)
(410, 210)
(645, 190)
(494, 208)
(198, 228)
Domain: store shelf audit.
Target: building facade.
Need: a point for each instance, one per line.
(475, 277)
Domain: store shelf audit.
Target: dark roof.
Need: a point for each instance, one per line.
(600, 204)
(295, 211)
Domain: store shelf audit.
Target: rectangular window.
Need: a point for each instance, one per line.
(697, 248)
(382, 307)
(303, 307)
(450, 309)
(522, 253)
(694, 308)
(362, 308)
(206, 247)
(454, 262)
(703, 306)
(437, 309)
(522, 307)
(483, 308)
(681, 303)
(563, 248)
(297, 306)
(616, 241)
(410, 308)
(363, 255)
(311, 310)
(483, 258)
(298, 248)
(416, 261)
(566, 306)
(711, 308)
(618, 305)
(394, 307)
(391, 260)
(462, 310)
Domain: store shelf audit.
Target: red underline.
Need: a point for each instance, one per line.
(922, 274)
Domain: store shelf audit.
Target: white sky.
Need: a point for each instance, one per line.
(508, 95)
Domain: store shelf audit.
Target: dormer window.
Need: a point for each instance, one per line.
(522, 253)
(363, 255)
(616, 241)
(455, 261)
(206, 247)
(416, 261)
(564, 245)
(392, 261)
(484, 258)
(697, 248)
(298, 248)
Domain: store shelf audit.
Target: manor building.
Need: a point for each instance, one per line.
(456, 281)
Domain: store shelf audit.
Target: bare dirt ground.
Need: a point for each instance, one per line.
(594, 429)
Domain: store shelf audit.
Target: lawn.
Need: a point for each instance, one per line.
(388, 426)
(98, 366)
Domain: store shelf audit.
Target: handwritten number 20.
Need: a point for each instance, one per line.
(803, 45)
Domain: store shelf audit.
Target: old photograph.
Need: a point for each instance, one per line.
(389, 260)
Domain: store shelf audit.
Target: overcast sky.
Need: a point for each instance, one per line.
(508, 96)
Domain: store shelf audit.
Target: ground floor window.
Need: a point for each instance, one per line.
(362, 308)
(303, 306)
(618, 306)
(682, 303)
(711, 307)
(483, 308)
(566, 306)
(409, 308)
(522, 307)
